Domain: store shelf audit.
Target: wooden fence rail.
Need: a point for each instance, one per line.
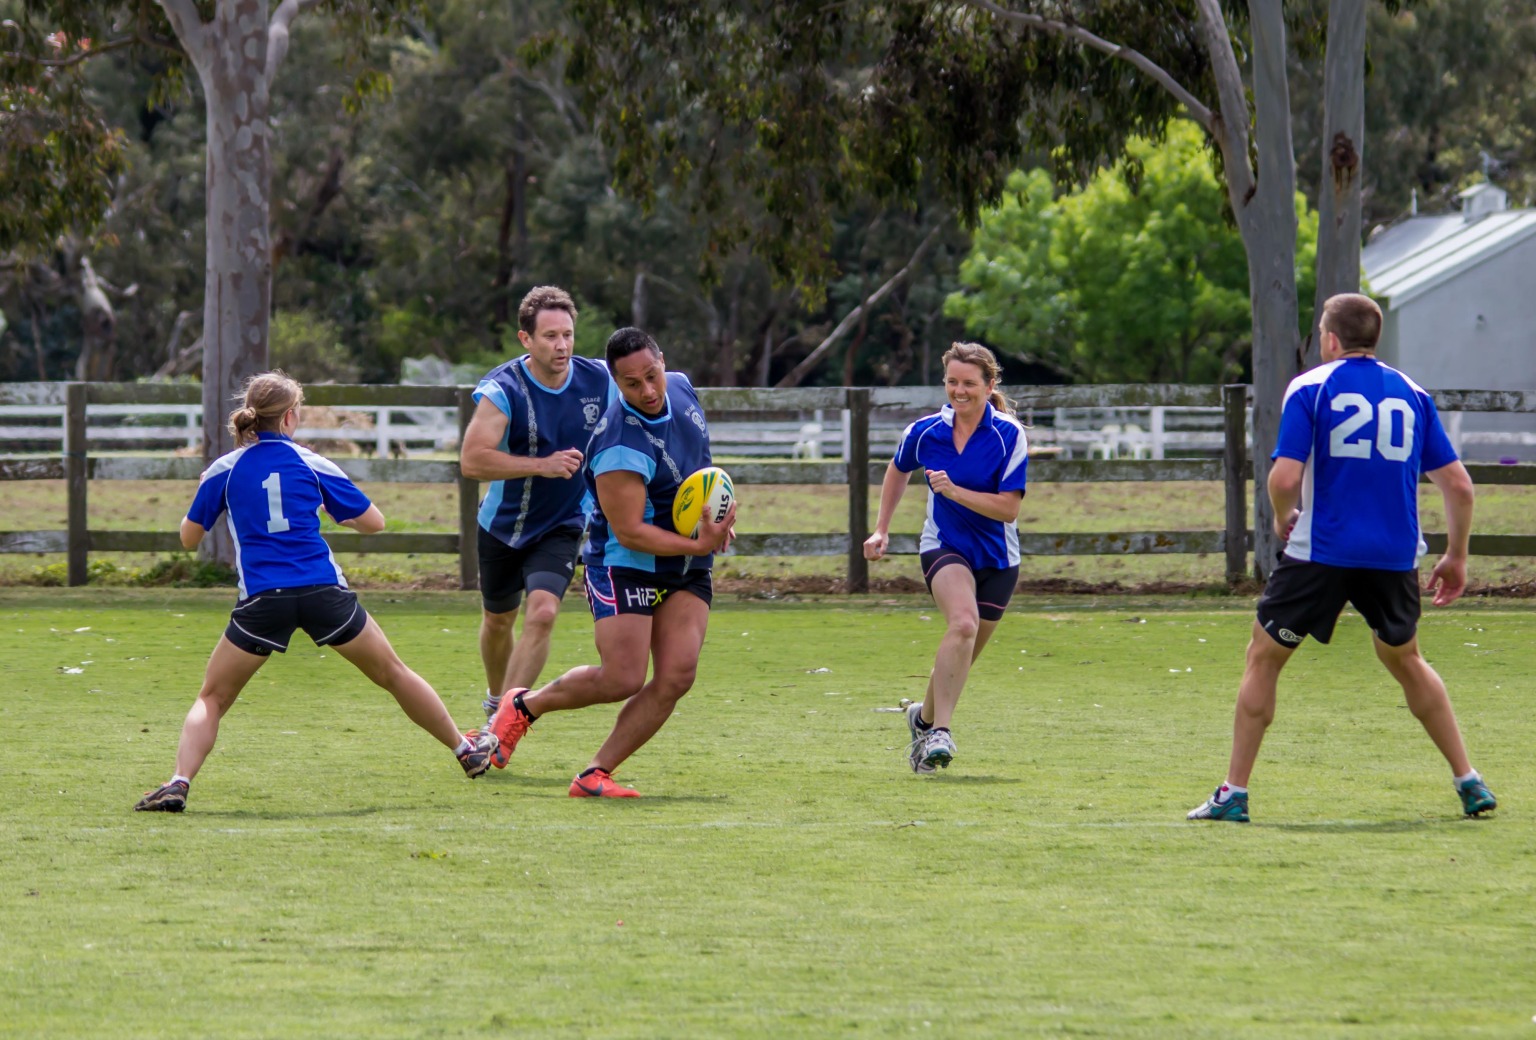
(858, 472)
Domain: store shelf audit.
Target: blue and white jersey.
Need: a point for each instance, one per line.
(664, 450)
(540, 422)
(994, 460)
(274, 490)
(1365, 432)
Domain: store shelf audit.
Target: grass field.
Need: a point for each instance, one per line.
(784, 875)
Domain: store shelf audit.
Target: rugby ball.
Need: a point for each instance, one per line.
(709, 488)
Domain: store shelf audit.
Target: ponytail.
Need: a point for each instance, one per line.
(266, 399)
(984, 359)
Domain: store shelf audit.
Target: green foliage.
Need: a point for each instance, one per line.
(180, 570)
(1135, 277)
(309, 348)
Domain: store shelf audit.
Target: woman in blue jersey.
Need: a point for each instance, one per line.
(273, 490)
(974, 455)
(648, 586)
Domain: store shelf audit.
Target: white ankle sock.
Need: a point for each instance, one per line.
(464, 746)
(1225, 792)
(1474, 775)
(178, 778)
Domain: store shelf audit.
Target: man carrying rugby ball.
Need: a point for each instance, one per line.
(648, 586)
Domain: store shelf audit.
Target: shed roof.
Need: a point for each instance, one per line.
(1412, 258)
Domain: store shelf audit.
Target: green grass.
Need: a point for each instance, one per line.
(785, 875)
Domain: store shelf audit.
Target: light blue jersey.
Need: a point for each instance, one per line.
(540, 422)
(1365, 432)
(664, 450)
(994, 460)
(274, 490)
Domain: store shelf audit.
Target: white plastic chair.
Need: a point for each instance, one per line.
(809, 444)
(1136, 442)
(1108, 444)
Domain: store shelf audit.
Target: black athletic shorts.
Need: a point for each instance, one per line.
(994, 585)
(546, 564)
(328, 614)
(624, 590)
(1304, 599)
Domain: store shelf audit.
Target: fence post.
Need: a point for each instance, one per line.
(469, 505)
(857, 458)
(78, 539)
(1234, 423)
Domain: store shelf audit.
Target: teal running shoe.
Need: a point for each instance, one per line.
(1476, 799)
(1233, 810)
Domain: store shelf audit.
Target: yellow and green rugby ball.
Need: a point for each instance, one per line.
(709, 488)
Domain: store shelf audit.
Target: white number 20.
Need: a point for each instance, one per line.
(1340, 446)
(276, 521)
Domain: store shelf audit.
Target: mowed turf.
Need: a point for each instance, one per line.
(785, 874)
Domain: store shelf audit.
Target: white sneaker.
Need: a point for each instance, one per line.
(938, 749)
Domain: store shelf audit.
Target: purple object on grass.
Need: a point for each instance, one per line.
(1508, 460)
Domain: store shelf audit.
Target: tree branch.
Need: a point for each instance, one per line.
(278, 31)
(850, 319)
(1160, 75)
(99, 49)
(1231, 124)
(189, 25)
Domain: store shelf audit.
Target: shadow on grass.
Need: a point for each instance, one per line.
(298, 814)
(1369, 827)
(973, 778)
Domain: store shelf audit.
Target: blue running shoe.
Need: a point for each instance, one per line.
(1476, 799)
(1233, 810)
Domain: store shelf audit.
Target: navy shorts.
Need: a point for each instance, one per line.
(1303, 599)
(994, 585)
(544, 565)
(623, 590)
(328, 614)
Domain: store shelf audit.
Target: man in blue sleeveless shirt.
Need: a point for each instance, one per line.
(1354, 437)
(532, 420)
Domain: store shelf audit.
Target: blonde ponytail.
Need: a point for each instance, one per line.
(266, 399)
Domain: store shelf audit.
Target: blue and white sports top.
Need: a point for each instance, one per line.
(994, 460)
(540, 422)
(664, 450)
(273, 490)
(1365, 432)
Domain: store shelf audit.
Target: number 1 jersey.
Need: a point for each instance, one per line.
(274, 490)
(1365, 432)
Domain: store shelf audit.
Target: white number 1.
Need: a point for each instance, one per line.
(276, 522)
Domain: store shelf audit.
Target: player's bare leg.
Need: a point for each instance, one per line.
(1255, 702)
(984, 630)
(677, 636)
(229, 669)
(954, 591)
(1425, 693)
(623, 647)
(496, 645)
(374, 657)
(530, 652)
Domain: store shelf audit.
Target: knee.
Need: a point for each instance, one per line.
(498, 624)
(621, 685)
(540, 619)
(673, 684)
(965, 627)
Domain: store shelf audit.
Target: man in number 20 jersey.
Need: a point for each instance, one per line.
(1354, 437)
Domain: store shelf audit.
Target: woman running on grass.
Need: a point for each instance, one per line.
(974, 453)
(273, 490)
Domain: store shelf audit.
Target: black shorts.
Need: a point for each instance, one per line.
(624, 590)
(1304, 599)
(994, 585)
(328, 614)
(543, 565)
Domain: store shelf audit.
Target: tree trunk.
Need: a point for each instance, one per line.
(1338, 197)
(639, 300)
(1268, 224)
(237, 288)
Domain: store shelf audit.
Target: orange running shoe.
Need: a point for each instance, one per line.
(599, 784)
(509, 725)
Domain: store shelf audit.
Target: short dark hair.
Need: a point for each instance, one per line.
(543, 298)
(1354, 318)
(629, 340)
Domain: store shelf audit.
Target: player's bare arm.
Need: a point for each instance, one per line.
(191, 533)
(994, 505)
(1285, 477)
(622, 495)
(481, 457)
(370, 522)
(891, 489)
(1449, 578)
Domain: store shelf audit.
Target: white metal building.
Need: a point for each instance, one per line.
(1459, 295)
